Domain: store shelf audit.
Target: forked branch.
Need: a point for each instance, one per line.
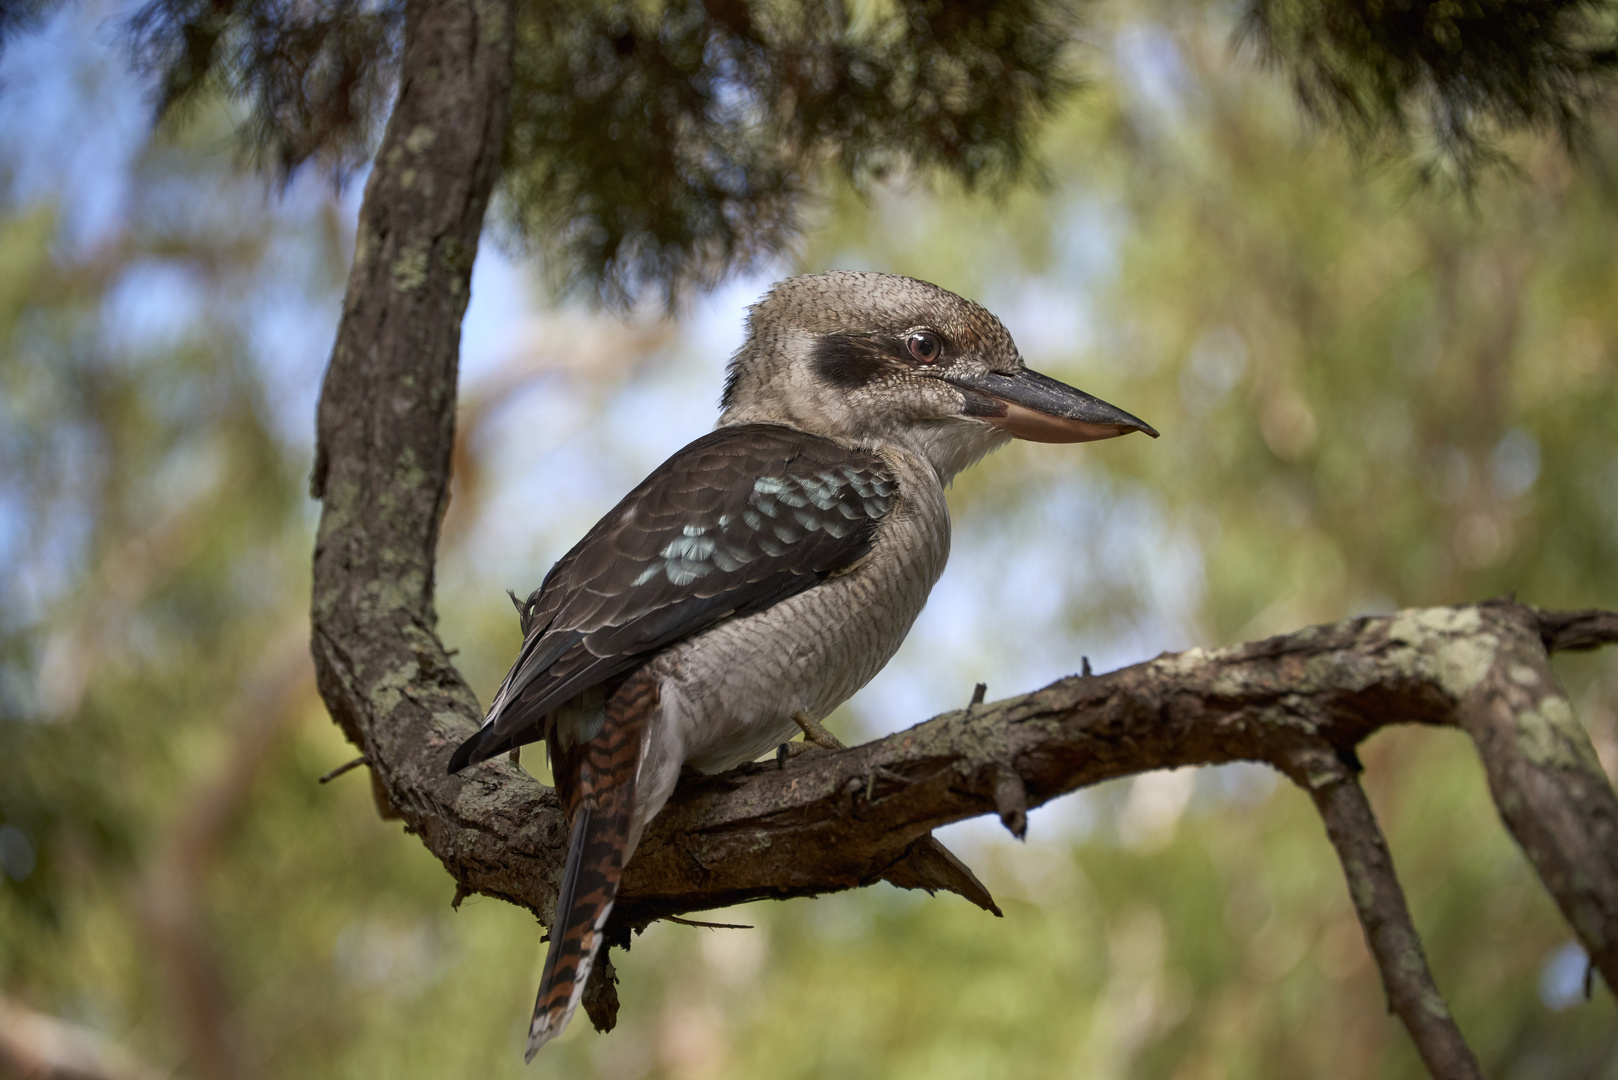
(837, 819)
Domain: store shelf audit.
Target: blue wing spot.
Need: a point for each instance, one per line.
(766, 506)
(754, 522)
(682, 572)
(807, 519)
(697, 530)
(693, 548)
(647, 574)
(769, 485)
(822, 490)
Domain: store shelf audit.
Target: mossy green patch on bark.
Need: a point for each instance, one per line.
(401, 592)
(1447, 644)
(1415, 626)
(1523, 675)
(457, 257)
(1550, 736)
(1434, 1006)
(1460, 665)
(420, 139)
(388, 690)
(409, 269)
(1361, 885)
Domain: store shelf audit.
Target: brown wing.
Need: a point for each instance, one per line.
(740, 519)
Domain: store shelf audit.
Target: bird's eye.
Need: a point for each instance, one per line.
(924, 346)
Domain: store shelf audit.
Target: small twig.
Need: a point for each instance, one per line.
(1380, 903)
(1577, 631)
(601, 993)
(348, 766)
(979, 692)
(1011, 801)
(1085, 670)
(706, 925)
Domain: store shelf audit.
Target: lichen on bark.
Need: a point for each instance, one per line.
(832, 820)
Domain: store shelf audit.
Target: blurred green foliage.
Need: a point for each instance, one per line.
(1369, 399)
(653, 147)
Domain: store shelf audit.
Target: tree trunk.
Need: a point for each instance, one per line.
(832, 820)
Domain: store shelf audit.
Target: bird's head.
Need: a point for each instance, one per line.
(877, 358)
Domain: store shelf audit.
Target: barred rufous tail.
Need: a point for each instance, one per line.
(596, 780)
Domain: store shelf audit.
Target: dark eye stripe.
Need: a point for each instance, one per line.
(846, 361)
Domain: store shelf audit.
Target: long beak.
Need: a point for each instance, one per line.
(1038, 408)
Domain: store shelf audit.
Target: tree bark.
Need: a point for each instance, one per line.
(838, 819)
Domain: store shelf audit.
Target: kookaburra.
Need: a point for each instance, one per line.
(764, 573)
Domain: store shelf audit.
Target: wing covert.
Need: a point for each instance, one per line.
(738, 520)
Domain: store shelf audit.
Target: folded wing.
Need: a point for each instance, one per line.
(740, 519)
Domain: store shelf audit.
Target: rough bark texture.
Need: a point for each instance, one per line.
(837, 819)
(1379, 900)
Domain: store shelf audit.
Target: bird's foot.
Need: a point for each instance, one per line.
(814, 733)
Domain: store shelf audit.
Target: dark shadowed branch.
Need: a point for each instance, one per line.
(838, 819)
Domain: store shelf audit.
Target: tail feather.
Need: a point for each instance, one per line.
(601, 787)
(589, 886)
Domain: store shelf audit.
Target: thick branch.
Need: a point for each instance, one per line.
(386, 424)
(831, 819)
(1545, 777)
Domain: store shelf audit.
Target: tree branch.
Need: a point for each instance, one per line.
(1577, 631)
(837, 819)
(1379, 900)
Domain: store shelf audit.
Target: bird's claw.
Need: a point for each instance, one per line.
(789, 750)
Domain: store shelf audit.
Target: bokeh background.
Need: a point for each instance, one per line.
(1372, 396)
